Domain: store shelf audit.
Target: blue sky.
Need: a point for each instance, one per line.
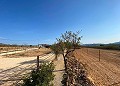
(42, 21)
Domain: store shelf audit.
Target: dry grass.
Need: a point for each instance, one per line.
(8, 49)
(30, 53)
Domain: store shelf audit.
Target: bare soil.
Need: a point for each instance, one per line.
(59, 71)
(12, 70)
(105, 72)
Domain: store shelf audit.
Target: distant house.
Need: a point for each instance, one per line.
(40, 45)
(43, 45)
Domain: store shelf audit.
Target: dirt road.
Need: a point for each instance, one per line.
(28, 53)
(105, 72)
(13, 69)
(13, 52)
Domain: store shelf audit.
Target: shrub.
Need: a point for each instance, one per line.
(41, 77)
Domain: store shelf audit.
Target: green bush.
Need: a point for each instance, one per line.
(41, 77)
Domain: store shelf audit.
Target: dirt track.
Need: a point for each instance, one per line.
(13, 69)
(33, 52)
(105, 72)
(59, 71)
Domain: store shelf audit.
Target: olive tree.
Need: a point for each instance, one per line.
(67, 43)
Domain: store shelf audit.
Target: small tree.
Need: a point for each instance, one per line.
(67, 43)
(55, 49)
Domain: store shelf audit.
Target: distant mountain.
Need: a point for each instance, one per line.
(116, 42)
(91, 44)
(99, 44)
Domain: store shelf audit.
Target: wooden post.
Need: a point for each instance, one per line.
(81, 50)
(87, 50)
(99, 55)
(37, 62)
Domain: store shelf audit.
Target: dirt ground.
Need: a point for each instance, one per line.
(105, 72)
(30, 53)
(59, 71)
(13, 69)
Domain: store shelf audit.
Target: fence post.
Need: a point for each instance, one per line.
(37, 62)
(87, 50)
(99, 55)
(81, 50)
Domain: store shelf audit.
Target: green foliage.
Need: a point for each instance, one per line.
(41, 77)
(67, 42)
(55, 48)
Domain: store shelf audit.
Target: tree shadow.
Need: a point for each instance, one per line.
(59, 70)
(32, 62)
(15, 72)
(28, 62)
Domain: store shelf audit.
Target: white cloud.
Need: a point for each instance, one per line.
(2, 38)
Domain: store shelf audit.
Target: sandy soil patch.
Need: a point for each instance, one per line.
(13, 69)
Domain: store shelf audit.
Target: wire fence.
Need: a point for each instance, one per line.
(112, 56)
(14, 76)
(102, 64)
